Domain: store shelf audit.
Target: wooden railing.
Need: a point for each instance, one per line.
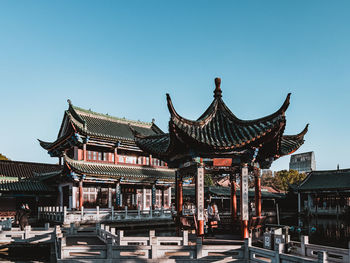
(63, 215)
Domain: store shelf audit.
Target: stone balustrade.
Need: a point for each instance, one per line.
(88, 215)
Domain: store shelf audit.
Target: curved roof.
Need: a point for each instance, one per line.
(219, 129)
(78, 121)
(291, 143)
(335, 180)
(25, 169)
(218, 132)
(117, 171)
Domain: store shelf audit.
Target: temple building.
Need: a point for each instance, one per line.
(325, 193)
(220, 143)
(102, 165)
(22, 182)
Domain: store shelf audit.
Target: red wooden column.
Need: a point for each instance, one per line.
(233, 199)
(179, 197)
(84, 151)
(257, 192)
(244, 202)
(116, 155)
(80, 194)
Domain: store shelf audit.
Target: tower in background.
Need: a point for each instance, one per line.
(303, 162)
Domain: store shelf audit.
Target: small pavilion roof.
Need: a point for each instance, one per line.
(25, 186)
(117, 171)
(25, 169)
(84, 122)
(219, 133)
(332, 180)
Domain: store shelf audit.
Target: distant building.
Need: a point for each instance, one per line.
(303, 162)
(325, 192)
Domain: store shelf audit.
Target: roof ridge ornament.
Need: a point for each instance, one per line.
(217, 91)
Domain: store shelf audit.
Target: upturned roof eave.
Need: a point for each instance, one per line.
(77, 166)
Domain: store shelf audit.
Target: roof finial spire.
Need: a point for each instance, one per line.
(217, 91)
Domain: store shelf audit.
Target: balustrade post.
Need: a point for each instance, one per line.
(199, 248)
(64, 214)
(138, 212)
(109, 248)
(185, 238)
(120, 237)
(278, 250)
(154, 247)
(27, 233)
(38, 212)
(126, 212)
(82, 213)
(322, 257)
(97, 212)
(304, 241)
(71, 228)
(247, 244)
(47, 226)
(112, 213)
(57, 217)
(63, 244)
(112, 230)
(98, 229)
(150, 212)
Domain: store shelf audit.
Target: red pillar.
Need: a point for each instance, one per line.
(116, 155)
(180, 197)
(200, 227)
(80, 194)
(150, 160)
(245, 232)
(84, 151)
(233, 200)
(257, 193)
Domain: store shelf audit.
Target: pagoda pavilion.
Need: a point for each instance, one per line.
(220, 142)
(102, 165)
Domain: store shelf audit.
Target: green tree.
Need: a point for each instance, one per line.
(268, 180)
(3, 157)
(208, 181)
(284, 178)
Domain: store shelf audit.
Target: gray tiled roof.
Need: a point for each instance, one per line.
(326, 180)
(117, 171)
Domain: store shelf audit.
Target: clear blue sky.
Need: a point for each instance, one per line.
(121, 58)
